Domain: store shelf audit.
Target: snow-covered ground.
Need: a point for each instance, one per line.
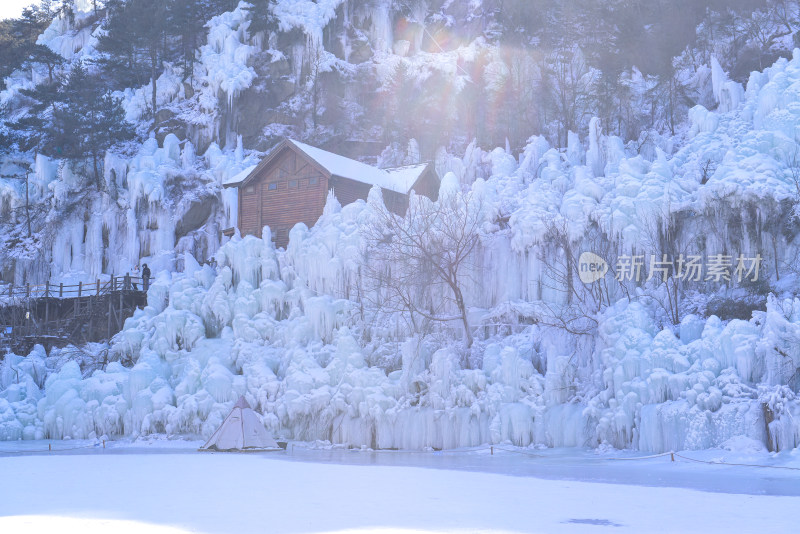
(169, 488)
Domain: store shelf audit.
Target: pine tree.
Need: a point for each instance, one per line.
(34, 130)
(74, 118)
(18, 37)
(43, 55)
(134, 44)
(186, 21)
(261, 17)
(89, 121)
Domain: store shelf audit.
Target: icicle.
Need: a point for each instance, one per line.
(238, 154)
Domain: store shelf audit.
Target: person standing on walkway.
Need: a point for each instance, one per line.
(145, 277)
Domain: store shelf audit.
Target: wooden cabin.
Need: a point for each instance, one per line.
(290, 185)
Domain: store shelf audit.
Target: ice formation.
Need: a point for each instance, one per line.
(256, 326)
(159, 202)
(226, 55)
(310, 17)
(284, 327)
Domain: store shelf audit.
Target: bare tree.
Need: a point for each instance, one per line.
(763, 28)
(417, 264)
(785, 13)
(26, 169)
(793, 167)
(314, 84)
(666, 243)
(572, 82)
(559, 256)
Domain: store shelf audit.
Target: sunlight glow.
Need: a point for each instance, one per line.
(11, 9)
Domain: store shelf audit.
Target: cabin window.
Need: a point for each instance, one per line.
(249, 190)
(292, 184)
(312, 181)
(272, 186)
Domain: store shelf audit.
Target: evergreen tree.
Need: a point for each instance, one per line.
(35, 131)
(134, 44)
(43, 55)
(75, 119)
(90, 120)
(188, 18)
(186, 26)
(18, 37)
(261, 17)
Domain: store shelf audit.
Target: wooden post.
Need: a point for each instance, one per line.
(97, 291)
(113, 283)
(11, 291)
(91, 316)
(61, 290)
(110, 309)
(28, 291)
(80, 289)
(127, 281)
(47, 289)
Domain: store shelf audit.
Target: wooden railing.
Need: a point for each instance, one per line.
(67, 291)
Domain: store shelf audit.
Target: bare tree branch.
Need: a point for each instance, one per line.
(415, 265)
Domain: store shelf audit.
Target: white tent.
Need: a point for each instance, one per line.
(241, 430)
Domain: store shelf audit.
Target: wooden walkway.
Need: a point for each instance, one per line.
(55, 315)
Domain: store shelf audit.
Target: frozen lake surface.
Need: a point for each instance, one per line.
(165, 486)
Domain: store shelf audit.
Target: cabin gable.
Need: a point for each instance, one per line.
(427, 184)
(289, 190)
(347, 191)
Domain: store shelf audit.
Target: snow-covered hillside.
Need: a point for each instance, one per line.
(289, 328)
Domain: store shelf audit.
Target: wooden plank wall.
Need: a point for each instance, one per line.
(288, 191)
(348, 191)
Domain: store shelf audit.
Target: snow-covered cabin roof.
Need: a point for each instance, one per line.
(398, 179)
(239, 177)
(407, 175)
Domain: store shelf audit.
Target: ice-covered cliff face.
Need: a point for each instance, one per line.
(314, 72)
(156, 199)
(255, 326)
(285, 328)
(162, 201)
